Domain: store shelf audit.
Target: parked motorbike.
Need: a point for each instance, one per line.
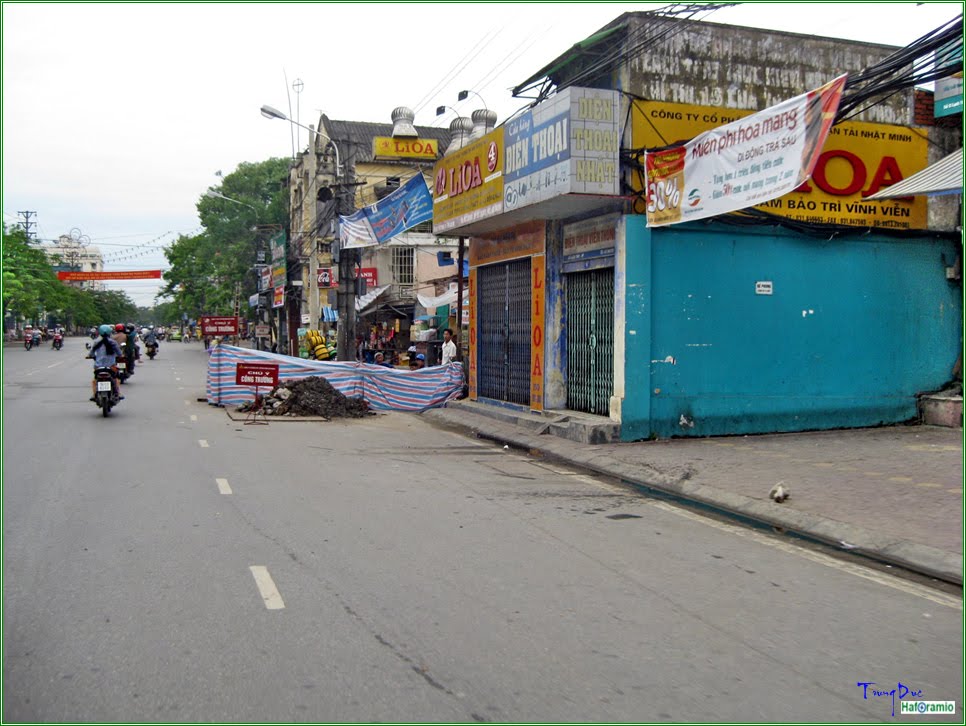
(58, 341)
(152, 350)
(106, 396)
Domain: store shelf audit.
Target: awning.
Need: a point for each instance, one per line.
(587, 50)
(364, 301)
(943, 177)
(447, 298)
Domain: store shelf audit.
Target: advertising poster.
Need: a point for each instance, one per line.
(859, 158)
(747, 162)
(403, 209)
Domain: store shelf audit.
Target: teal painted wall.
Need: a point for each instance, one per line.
(854, 329)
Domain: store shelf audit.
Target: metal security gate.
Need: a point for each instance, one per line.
(590, 341)
(503, 351)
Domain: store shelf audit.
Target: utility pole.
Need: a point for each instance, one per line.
(345, 333)
(27, 224)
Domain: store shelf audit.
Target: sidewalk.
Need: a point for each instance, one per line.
(894, 493)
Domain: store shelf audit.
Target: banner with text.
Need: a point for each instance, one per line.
(76, 276)
(747, 162)
(403, 209)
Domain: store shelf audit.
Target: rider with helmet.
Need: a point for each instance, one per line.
(133, 349)
(105, 353)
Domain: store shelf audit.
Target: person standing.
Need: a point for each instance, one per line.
(449, 347)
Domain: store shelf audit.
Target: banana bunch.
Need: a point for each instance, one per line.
(317, 346)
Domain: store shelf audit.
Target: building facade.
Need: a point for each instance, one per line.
(820, 310)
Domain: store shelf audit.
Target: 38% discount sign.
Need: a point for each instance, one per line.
(257, 375)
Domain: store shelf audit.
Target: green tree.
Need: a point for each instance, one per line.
(30, 286)
(207, 267)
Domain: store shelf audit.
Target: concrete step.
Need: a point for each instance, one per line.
(573, 425)
(941, 409)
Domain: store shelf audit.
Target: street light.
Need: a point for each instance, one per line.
(269, 112)
(215, 195)
(464, 94)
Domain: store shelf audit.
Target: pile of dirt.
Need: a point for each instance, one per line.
(313, 396)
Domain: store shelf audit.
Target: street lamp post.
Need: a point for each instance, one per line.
(314, 304)
(215, 195)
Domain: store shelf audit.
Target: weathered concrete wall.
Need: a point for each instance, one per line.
(711, 64)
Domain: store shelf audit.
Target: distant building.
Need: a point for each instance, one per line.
(69, 255)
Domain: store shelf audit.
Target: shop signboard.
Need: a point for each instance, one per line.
(567, 144)
(857, 160)
(538, 266)
(253, 300)
(468, 184)
(265, 279)
(387, 147)
(279, 261)
(523, 240)
(948, 96)
(214, 325)
(370, 275)
(590, 244)
(262, 331)
(325, 277)
(278, 296)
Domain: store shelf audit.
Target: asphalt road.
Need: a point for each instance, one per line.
(170, 564)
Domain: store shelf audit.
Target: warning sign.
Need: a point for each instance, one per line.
(256, 374)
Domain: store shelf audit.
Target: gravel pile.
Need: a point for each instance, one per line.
(313, 396)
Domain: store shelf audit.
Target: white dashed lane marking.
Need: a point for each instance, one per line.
(223, 486)
(203, 443)
(266, 586)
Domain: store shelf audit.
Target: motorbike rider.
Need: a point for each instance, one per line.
(151, 338)
(133, 349)
(105, 353)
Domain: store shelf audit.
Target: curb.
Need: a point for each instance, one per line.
(854, 540)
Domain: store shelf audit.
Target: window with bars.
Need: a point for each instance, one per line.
(402, 265)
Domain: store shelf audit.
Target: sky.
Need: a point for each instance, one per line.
(116, 117)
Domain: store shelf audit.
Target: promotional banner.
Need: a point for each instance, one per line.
(747, 162)
(77, 276)
(406, 207)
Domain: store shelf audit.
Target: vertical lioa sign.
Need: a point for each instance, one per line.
(744, 163)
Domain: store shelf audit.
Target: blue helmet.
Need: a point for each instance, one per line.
(105, 329)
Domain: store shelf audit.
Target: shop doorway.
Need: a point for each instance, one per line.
(590, 340)
(503, 352)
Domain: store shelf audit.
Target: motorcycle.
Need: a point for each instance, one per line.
(122, 370)
(31, 341)
(152, 350)
(58, 342)
(106, 396)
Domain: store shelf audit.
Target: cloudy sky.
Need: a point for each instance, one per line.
(116, 117)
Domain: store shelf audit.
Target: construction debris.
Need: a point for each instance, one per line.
(312, 396)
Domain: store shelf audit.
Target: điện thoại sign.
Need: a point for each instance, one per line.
(857, 159)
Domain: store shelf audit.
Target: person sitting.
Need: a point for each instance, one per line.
(380, 360)
(105, 353)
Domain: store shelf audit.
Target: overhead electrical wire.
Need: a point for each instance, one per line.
(914, 65)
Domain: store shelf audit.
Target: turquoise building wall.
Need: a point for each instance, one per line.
(855, 326)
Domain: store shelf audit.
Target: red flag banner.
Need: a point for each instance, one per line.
(75, 276)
